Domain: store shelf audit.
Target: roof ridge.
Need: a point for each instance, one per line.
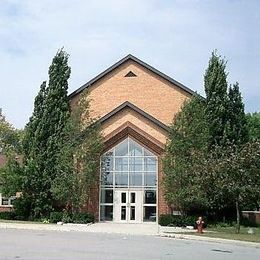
(142, 63)
(136, 109)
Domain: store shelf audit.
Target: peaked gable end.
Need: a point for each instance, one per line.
(139, 62)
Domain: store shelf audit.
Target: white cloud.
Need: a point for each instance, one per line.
(176, 37)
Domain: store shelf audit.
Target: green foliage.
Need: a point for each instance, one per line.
(209, 164)
(11, 175)
(253, 121)
(165, 219)
(10, 138)
(78, 158)
(22, 208)
(56, 216)
(248, 223)
(215, 82)
(44, 135)
(237, 128)
(82, 218)
(76, 217)
(45, 221)
(7, 215)
(66, 218)
(177, 220)
(34, 139)
(188, 139)
(10, 146)
(233, 174)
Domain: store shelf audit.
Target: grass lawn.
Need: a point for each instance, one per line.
(230, 233)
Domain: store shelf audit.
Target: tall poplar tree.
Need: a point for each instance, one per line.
(237, 127)
(31, 142)
(215, 82)
(54, 120)
(44, 135)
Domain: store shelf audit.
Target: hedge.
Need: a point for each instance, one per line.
(177, 220)
(7, 215)
(80, 217)
(56, 216)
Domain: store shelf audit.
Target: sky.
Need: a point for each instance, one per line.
(176, 37)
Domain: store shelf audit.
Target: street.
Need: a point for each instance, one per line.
(31, 244)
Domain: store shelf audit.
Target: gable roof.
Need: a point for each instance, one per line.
(133, 58)
(136, 109)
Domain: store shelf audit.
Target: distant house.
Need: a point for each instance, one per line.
(6, 203)
(135, 103)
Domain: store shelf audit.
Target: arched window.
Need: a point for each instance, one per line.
(129, 164)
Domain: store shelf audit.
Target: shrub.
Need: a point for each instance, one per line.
(248, 223)
(82, 218)
(66, 217)
(56, 216)
(22, 208)
(165, 219)
(190, 220)
(45, 221)
(177, 220)
(7, 215)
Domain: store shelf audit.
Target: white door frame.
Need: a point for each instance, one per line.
(130, 203)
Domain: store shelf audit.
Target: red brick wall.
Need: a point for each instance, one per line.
(163, 208)
(92, 205)
(149, 92)
(5, 209)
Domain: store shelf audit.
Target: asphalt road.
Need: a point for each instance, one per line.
(29, 244)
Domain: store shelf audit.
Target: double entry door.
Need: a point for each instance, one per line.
(128, 206)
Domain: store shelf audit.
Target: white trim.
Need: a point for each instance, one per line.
(9, 201)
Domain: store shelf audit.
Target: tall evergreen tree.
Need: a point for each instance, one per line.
(44, 135)
(54, 120)
(215, 82)
(31, 142)
(237, 128)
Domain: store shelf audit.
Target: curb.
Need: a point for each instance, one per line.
(83, 228)
(211, 239)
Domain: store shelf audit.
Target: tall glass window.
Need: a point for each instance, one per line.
(128, 165)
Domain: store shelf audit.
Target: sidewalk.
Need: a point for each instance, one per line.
(150, 229)
(116, 228)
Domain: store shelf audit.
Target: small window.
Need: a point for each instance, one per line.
(106, 213)
(132, 197)
(130, 74)
(150, 197)
(123, 197)
(7, 201)
(106, 196)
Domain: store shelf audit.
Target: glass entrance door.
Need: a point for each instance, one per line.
(128, 206)
(128, 183)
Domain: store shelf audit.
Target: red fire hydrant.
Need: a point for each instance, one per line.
(200, 224)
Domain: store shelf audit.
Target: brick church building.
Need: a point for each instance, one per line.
(135, 104)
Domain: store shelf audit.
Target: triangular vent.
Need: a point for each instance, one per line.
(130, 74)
